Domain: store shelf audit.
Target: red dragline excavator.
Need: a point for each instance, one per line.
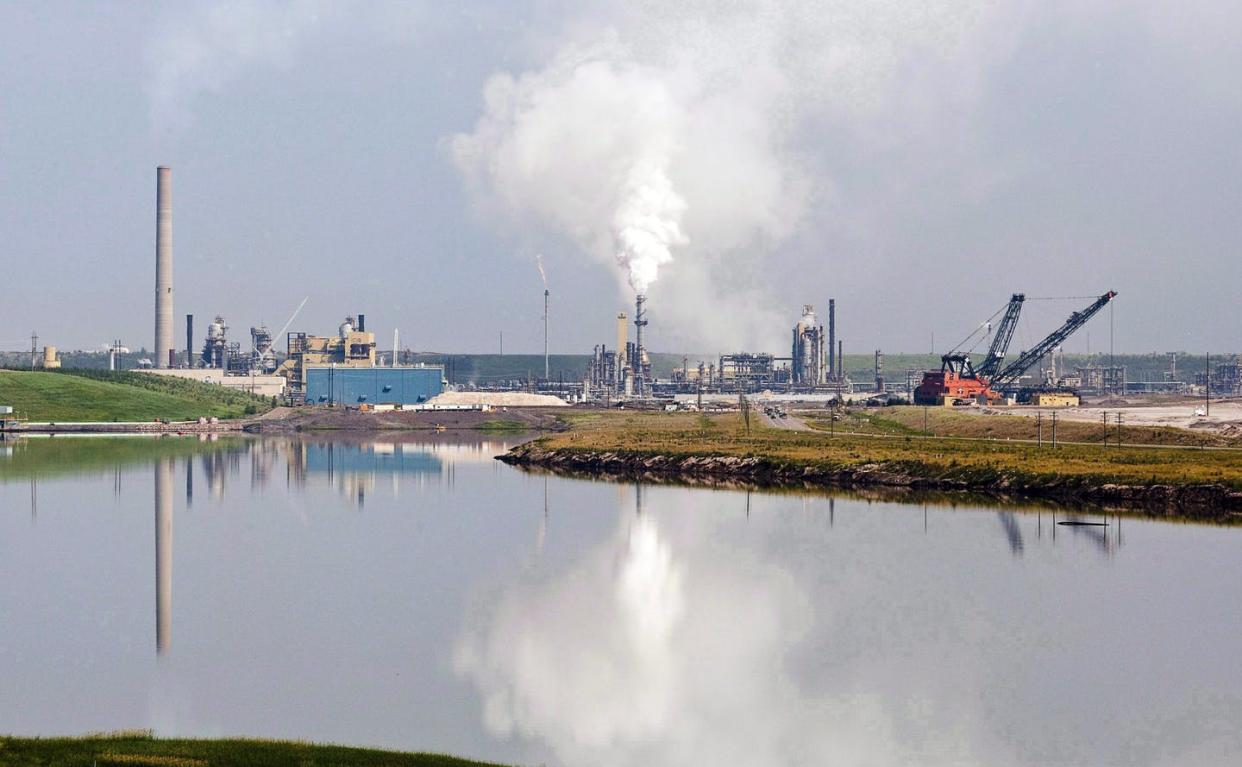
(958, 380)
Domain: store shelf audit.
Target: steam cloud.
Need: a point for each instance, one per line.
(587, 146)
(669, 141)
(647, 223)
(205, 47)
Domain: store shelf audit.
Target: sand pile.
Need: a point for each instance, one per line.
(498, 399)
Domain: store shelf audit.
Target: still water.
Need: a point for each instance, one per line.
(411, 592)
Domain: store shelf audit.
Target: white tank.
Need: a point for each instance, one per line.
(217, 329)
(347, 327)
(808, 316)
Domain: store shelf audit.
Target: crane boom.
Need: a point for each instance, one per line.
(1006, 377)
(1000, 341)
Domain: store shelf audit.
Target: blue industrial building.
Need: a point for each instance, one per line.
(350, 386)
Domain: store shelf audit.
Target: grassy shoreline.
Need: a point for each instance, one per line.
(122, 396)
(142, 748)
(719, 445)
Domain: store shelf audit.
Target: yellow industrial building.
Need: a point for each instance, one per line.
(1055, 399)
(352, 347)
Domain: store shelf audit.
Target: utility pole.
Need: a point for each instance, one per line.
(1105, 441)
(1118, 428)
(1054, 430)
(1039, 429)
(1207, 383)
(1111, 361)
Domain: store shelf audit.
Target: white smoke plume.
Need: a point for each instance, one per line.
(671, 141)
(205, 47)
(647, 224)
(542, 274)
(586, 146)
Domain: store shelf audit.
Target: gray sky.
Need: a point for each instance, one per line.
(918, 162)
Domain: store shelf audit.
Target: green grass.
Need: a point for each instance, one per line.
(503, 425)
(140, 748)
(101, 395)
(976, 461)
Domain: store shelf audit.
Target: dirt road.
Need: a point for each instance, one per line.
(790, 422)
(1224, 418)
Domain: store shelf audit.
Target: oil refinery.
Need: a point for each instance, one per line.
(346, 368)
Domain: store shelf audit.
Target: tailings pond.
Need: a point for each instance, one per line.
(412, 592)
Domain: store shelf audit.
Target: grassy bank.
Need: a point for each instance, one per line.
(975, 462)
(101, 395)
(143, 749)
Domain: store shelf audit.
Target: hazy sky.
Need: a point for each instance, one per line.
(918, 161)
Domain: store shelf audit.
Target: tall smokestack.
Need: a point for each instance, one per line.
(189, 340)
(163, 266)
(640, 322)
(840, 360)
(623, 337)
(545, 334)
(832, 337)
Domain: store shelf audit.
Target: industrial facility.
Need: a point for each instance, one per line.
(342, 370)
(346, 369)
(814, 365)
(339, 369)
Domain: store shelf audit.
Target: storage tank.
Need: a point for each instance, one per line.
(50, 360)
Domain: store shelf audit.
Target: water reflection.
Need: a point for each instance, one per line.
(656, 647)
(352, 466)
(163, 554)
(668, 644)
(1013, 533)
(358, 468)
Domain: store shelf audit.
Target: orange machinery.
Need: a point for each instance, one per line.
(958, 380)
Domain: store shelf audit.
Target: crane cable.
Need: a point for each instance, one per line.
(1061, 298)
(985, 324)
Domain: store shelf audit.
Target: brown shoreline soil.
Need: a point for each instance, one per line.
(285, 420)
(1207, 502)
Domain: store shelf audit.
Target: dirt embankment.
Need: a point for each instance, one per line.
(126, 427)
(1199, 501)
(283, 420)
